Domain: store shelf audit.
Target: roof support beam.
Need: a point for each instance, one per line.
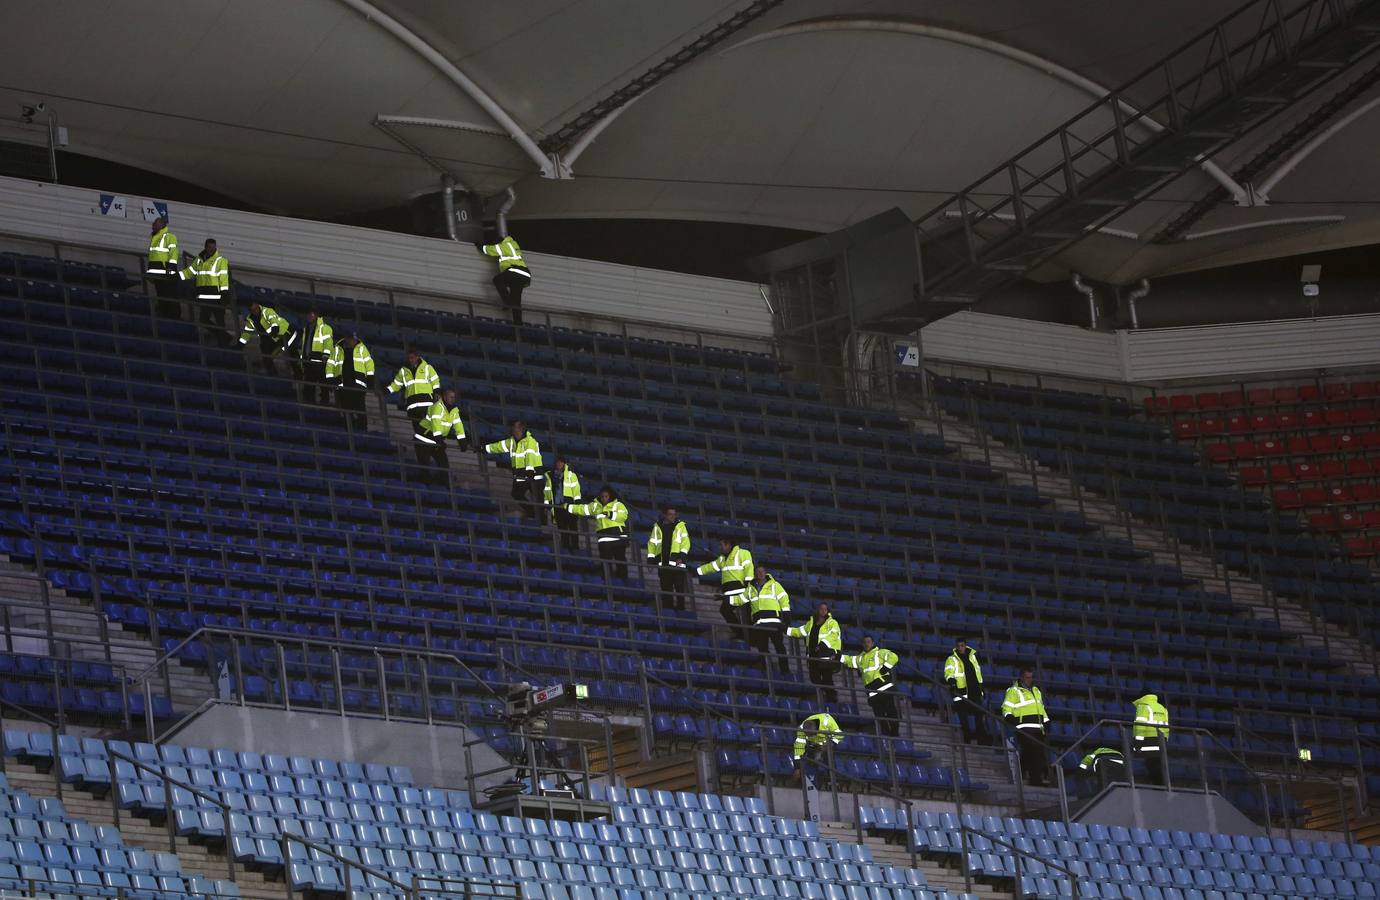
(1302, 153)
(548, 165)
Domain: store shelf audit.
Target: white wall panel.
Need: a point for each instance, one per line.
(386, 259)
(1253, 347)
(1000, 341)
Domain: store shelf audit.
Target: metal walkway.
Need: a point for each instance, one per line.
(1218, 86)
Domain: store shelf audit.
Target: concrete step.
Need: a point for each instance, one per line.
(80, 631)
(195, 859)
(938, 874)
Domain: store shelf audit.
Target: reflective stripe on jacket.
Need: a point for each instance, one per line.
(317, 347)
(212, 276)
(508, 252)
(269, 324)
(767, 603)
(163, 253)
(735, 570)
(955, 674)
(524, 455)
(1026, 706)
(361, 364)
(830, 637)
(610, 519)
(875, 665)
(678, 549)
(1149, 714)
(418, 385)
(570, 485)
(439, 423)
(828, 731)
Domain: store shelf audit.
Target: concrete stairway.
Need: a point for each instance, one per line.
(939, 874)
(1163, 547)
(196, 859)
(80, 631)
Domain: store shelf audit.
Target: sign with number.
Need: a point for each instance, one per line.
(112, 205)
(908, 355)
(153, 209)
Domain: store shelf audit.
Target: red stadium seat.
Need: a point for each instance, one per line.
(1309, 393)
(1185, 429)
(1299, 446)
(1360, 548)
(1208, 400)
(1358, 468)
(1321, 443)
(1371, 518)
(1346, 443)
(1232, 399)
(1349, 521)
(1181, 403)
(1370, 440)
(1252, 474)
(1337, 390)
(1244, 449)
(1335, 417)
(1281, 472)
(1362, 415)
(1156, 405)
(1360, 390)
(1286, 395)
(1340, 495)
(1365, 492)
(1287, 421)
(1314, 497)
(1322, 522)
(1210, 425)
(1270, 448)
(1238, 425)
(1264, 422)
(1332, 469)
(1260, 397)
(1219, 452)
(1288, 499)
(1305, 472)
(1312, 419)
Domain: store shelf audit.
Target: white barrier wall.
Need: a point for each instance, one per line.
(1008, 343)
(1155, 354)
(390, 260)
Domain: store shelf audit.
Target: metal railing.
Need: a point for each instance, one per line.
(390, 297)
(1210, 753)
(114, 758)
(389, 664)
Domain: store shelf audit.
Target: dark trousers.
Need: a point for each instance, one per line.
(568, 524)
(211, 315)
(510, 285)
(1033, 760)
(771, 636)
(432, 462)
(268, 348)
(1106, 772)
(615, 557)
(733, 618)
(971, 718)
(314, 387)
(674, 587)
(168, 289)
(884, 710)
(351, 404)
(528, 493)
(1154, 765)
(822, 672)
